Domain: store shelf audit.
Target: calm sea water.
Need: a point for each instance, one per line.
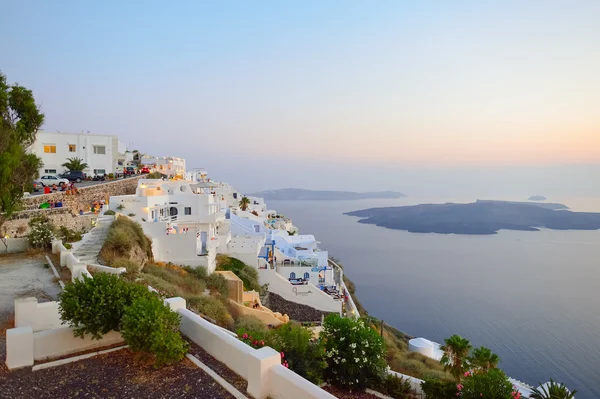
(532, 297)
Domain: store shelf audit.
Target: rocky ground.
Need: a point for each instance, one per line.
(294, 310)
(119, 374)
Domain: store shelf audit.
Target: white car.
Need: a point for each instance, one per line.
(49, 180)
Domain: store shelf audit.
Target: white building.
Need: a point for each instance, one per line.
(101, 152)
(170, 166)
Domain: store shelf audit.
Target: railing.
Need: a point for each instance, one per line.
(354, 310)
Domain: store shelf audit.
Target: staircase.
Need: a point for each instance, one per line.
(89, 249)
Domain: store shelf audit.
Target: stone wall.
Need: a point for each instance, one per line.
(294, 310)
(68, 215)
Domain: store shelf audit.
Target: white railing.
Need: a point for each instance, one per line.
(353, 309)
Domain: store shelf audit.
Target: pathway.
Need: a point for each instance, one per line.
(90, 247)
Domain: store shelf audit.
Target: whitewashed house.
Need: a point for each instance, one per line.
(101, 152)
(170, 166)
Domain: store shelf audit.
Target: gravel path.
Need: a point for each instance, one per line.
(225, 372)
(118, 374)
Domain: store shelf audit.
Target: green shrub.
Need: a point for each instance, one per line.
(95, 305)
(394, 386)
(305, 356)
(174, 281)
(212, 308)
(250, 324)
(436, 389)
(132, 268)
(151, 327)
(493, 384)
(111, 175)
(355, 352)
(217, 283)
(68, 246)
(199, 272)
(120, 207)
(41, 232)
(110, 212)
(68, 235)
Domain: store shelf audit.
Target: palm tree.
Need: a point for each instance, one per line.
(244, 203)
(552, 390)
(75, 164)
(455, 355)
(484, 359)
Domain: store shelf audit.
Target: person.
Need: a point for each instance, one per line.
(81, 212)
(63, 186)
(44, 205)
(73, 189)
(58, 204)
(51, 203)
(54, 187)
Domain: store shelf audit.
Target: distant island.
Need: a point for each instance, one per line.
(480, 217)
(287, 194)
(537, 198)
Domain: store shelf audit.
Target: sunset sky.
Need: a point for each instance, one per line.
(401, 92)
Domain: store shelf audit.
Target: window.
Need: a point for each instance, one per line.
(187, 210)
(50, 148)
(292, 275)
(72, 147)
(306, 276)
(99, 171)
(49, 170)
(99, 149)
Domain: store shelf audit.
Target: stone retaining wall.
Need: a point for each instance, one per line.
(68, 215)
(294, 310)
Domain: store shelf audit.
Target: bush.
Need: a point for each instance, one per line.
(122, 236)
(212, 308)
(199, 272)
(154, 175)
(132, 268)
(40, 233)
(436, 389)
(110, 212)
(96, 305)
(131, 215)
(305, 356)
(174, 281)
(250, 324)
(217, 283)
(111, 175)
(68, 235)
(394, 386)
(68, 246)
(151, 327)
(354, 352)
(493, 384)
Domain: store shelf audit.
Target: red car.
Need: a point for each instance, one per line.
(145, 169)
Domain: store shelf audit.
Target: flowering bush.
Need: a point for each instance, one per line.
(41, 232)
(354, 352)
(436, 389)
(493, 384)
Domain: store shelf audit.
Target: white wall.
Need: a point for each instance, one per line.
(303, 294)
(60, 342)
(40, 316)
(285, 384)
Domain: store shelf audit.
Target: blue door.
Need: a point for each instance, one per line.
(292, 275)
(307, 276)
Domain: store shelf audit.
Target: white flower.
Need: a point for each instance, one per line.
(343, 360)
(343, 338)
(353, 345)
(356, 359)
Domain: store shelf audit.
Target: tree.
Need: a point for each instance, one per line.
(20, 120)
(552, 390)
(484, 359)
(75, 164)
(244, 202)
(456, 350)
(491, 385)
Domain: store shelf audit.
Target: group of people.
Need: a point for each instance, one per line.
(51, 204)
(68, 188)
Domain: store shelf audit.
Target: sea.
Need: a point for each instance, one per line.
(531, 297)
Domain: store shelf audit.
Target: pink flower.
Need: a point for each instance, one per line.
(466, 373)
(459, 387)
(282, 356)
(255, 342)
(245, 336)
(262, 343)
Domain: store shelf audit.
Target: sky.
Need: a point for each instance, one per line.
(431, 98)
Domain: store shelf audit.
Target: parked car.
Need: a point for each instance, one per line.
(74, 175)
(145, 169)
(48, 180)
(37, 185)
(129, 170)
